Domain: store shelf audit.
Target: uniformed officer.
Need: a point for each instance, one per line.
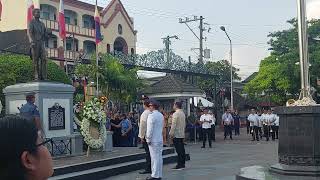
(30, 111)
(254, 120)
(154, 138)
(268, 121)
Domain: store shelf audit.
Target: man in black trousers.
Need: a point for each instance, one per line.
(177, 134)
(142, 134)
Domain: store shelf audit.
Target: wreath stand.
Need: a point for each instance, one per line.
(94, 132)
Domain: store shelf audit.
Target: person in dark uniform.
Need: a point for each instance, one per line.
(236, 119)
(30, 111)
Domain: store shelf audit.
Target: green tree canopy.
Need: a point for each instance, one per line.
(18, 69)
(279, 74)
(221, 68)
(115, 80)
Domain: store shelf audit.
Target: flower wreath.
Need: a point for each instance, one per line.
(93, 115)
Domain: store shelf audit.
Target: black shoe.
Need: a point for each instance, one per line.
(178, 168)
(152, 178)
(210, 146)
(145, 172)
(231, 138)
(165, 145)
(203, 147)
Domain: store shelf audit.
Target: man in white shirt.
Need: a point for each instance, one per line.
(276, 127)
(142, 135)
(260, 124)
(268, 121)
(254, 120)
(154, 138)
(206, 120)
(227, 122)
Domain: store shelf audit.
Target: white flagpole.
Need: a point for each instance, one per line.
(97, 61)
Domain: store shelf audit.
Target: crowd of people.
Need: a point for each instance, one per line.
(263, 124)
(151, 128)
(151, 134)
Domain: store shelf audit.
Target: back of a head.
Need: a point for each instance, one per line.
(16, 136)
(178, 104)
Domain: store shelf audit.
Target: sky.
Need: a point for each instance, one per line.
(248, 23)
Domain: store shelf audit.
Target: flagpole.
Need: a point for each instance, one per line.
(97, 64)
(97, 58)
(64, 51)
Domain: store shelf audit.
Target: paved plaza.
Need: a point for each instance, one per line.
(222, 162)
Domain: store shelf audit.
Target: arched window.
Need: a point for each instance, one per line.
(120, 29)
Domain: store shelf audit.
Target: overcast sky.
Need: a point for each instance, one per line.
(247, 21)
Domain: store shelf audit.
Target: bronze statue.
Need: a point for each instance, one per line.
(38, 34)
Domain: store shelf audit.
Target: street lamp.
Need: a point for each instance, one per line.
(231, 74)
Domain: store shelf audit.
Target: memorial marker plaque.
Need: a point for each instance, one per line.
(56, 117)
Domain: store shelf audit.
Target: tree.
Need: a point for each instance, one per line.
(221, 68)
(116, 82)
(18, 69)
(279, 73)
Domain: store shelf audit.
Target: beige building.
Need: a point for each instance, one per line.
(117, 27)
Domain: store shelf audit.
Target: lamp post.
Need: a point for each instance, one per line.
(231, 70)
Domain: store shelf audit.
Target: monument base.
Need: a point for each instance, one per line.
(66, 146)
(264, 173)
(295, 170)
(55, 104)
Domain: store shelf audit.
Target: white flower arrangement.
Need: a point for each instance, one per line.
(93, 114)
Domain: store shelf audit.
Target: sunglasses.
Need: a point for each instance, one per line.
(44, 142)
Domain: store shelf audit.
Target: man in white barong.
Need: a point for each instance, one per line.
(154, 139)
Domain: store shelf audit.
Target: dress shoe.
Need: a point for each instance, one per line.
(152, 178)
(203, 147)
(145, 172)
(179, 167)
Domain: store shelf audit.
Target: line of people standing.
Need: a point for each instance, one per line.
(151, 136)
(263, 125)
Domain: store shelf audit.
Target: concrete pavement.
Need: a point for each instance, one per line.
(222, 162)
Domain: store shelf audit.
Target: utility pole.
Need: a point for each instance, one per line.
(167, 43)
(200, 38)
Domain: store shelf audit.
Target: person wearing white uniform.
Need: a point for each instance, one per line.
(227, 122)
(142, 135)
(154, 139)
(276, 127)
(268, 121)
(206, 121)
(254, 120)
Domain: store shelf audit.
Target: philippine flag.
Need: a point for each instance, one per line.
(30, 7)
(62, 24)
(97, 25)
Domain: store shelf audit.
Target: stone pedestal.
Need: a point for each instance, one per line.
(55, 103)
(108, 145)
(299, 141)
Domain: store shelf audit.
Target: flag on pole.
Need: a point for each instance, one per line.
(30, 7)
(0, 9)
(97, 25)
(62, 24)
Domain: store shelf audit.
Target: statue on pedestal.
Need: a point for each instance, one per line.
(37, 34)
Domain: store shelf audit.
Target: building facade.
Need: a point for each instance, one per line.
(117, 27)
